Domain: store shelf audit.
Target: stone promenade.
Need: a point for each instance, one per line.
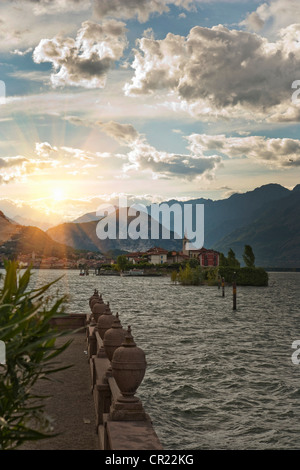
(71, 404)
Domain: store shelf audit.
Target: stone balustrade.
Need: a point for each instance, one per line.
(117, 369)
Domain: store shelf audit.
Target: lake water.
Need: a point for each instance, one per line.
(216, 378)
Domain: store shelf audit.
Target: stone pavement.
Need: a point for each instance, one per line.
(71, 405)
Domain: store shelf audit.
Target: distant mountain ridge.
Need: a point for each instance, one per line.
(241, 219)
(89, 217)
(84, 235)
(266, 218)
(17, 239)
(273, 234)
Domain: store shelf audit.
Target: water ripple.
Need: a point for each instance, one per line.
(216, 378)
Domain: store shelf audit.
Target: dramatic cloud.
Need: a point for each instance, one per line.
(141, 9)
(219, 72)
(9, 162)
(44, 149)
(279, 153)
(253, 21)
(123, 133)
(144, 157)
(42, 7)
(14, 168)
(47, 159)
(21, 29)
(84, 61)
(21, 53)
(273, 15)
(65, 154)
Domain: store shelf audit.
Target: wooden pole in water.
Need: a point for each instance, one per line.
(223, 287)
(219, 281)
(234, 290)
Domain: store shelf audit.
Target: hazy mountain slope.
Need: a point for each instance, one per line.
(89, 217)
(249, 218)
(223, 216)
(17, 239)
(7, 228)
(84, 236)
(266, 218)
(273, 234)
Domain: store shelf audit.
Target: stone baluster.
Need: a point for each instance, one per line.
(113, 339)
(128, 369)
(98, 309)
(104, 323)
(94, 296)
(95, 300)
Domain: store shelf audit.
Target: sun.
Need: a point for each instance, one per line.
(58, 194)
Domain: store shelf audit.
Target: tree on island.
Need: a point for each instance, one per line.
(193, 262)
(223, 261)
(122, 263)
(249, 257)
(230, 260)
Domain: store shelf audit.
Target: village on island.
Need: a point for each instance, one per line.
(154, 256)
(190, 266)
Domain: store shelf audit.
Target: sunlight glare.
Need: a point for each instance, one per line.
(58, 194)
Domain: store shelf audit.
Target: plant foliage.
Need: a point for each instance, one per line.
(31, 352)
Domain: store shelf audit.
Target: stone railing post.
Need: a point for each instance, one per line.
(92, 342)
(104, 323)
(94, 296)
(128, 369)
(99, 308)
(117, 368)
(113, 339)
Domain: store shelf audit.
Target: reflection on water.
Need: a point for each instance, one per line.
(216, 378)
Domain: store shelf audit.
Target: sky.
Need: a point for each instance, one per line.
(148, 99)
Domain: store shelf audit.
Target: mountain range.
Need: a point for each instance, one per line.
(19, 239)
(83, 235)
(266, 218)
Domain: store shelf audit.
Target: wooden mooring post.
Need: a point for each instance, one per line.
(234, 290)
(223, 287)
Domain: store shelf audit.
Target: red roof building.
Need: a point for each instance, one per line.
(210, 258)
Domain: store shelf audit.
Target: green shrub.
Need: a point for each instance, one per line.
(245, 276)
(211, 275)
(191, 276)
(29, 338)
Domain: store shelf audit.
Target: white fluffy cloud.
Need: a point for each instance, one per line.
(14, 168)
(47, 159)
(42, 7)
(274, 152)
(123, 133)
(9, 162)
(273, 15)
(141, 9)
(84, 61)
(220, 72)
(144, 157)
(21, 29)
